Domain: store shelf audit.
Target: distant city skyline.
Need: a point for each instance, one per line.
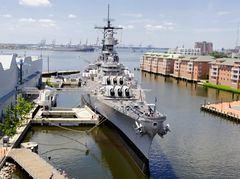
(147, 22)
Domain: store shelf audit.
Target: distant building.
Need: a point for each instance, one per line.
(205, 47)
(185, 51)
(15, 74)
(225, 71)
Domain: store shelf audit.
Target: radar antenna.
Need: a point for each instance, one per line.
(108, 22)
(108, 16)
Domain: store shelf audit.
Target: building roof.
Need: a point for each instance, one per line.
(198, 58)
(229, 61)
(225, 61)
(163, 55)
(6, 61)
(181, 57)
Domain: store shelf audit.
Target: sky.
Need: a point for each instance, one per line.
(160, 23)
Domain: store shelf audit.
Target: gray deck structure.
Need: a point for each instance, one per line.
(66, 116)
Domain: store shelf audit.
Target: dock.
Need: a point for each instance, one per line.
(56, 73)
(41, 169)
(229, 110)
(66, 117)
(32, 163)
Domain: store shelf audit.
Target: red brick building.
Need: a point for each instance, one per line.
(225, 71)
(192, 68)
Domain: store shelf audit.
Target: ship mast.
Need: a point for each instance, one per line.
(109, 41)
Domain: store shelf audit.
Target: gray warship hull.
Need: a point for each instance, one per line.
(110, 89)
(137, 145)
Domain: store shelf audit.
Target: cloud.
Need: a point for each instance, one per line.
(27, 20)
(200, 30)
(166, 23)
(72, 16)
(136, 15)
(162, 26)
(130, 27)
(121, 26)
(6, 15)
(127, 26)
(47, 22)
(41, 22)
(35, 3)
(142, 21)
(223, 13)
(153, 27)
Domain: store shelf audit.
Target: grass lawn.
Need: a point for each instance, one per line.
(221, 87)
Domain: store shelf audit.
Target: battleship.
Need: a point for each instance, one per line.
(110, 89)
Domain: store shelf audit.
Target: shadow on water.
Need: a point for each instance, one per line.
(115, 154)
(99, 154)
(160, 165)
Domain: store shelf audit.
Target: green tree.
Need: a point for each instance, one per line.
(217, 54)
(22, 108)
(13, 118)
(49, 83)
(8, 127)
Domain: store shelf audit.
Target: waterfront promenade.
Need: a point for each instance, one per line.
(230, 110)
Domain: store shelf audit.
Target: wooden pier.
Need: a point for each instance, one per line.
(34, 165)
(229, 110)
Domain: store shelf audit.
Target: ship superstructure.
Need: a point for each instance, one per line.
(110, 89)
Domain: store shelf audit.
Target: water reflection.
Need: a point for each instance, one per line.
(200, 144)
(97, 155)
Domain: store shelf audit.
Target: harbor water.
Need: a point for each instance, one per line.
(200, 145)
